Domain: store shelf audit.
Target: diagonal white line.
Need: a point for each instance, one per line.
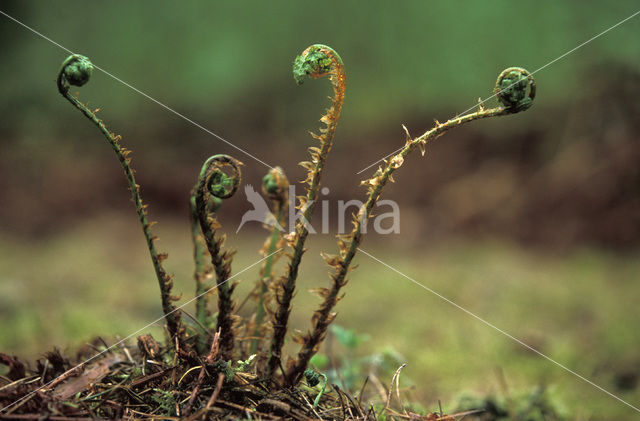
(532, 73)
(380, 160)
(184, 117)
(140, 92)
(530, 348)
(558, 58)
(136, 332)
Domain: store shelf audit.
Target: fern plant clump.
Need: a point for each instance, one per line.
(224, 364)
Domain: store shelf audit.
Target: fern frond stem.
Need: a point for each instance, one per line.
(165, 281)
(200, 273)
(198, 258)
(324, 316)
(222, 269)
(316, 61)
(220, 260)
(267, 274)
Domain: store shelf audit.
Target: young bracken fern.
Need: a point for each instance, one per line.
(220, 178)
(316, 61)
(76, 70)
(214, 184)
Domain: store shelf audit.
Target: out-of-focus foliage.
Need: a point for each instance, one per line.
(208, 59)
(227, 66)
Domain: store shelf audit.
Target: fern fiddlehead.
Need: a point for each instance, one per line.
(314, 62)
(275, 186)
(511, 89)
(213, 185)
(76, 70)
(515, 89)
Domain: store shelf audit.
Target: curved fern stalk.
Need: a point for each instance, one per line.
(275, 186)
(213, 186)
(515, 89)
(76, 70)
(201, 272)
(316, 61)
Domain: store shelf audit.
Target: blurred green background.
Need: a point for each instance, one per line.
(530, 221)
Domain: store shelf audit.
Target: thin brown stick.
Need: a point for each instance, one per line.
(216, 392)
(364, 385)
(150, 377)
(311, 407)
(75, 371)
(395, 379)
(213, 352)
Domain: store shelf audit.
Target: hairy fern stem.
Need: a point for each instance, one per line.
(76, 70)
(201, 272)
(275, 186)
(213, 185)
(316, 61)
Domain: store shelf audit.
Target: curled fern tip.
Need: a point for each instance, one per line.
(220, 184)
(515, 89)
(275, 184)
(76, 70)
(219, 179)
(316, 61)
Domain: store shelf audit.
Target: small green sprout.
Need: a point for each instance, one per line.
(313, 379)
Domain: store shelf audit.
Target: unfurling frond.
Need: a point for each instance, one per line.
(76, 70)
(316, 61)
(219, 179)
